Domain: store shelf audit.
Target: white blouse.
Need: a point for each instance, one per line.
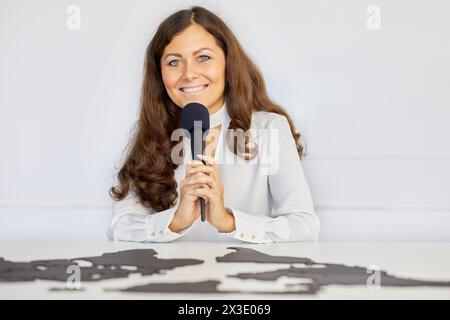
(268, 195)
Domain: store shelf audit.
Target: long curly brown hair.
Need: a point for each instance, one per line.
(148, 169)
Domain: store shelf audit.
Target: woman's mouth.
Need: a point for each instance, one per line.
(193, 90)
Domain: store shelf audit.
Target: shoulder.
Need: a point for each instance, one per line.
(269, 120)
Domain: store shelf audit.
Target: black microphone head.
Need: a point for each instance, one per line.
(194, 112)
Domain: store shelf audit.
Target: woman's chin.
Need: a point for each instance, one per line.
(196, 100)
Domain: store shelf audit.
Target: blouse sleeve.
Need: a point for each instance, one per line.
(131, 221)
(292, 216)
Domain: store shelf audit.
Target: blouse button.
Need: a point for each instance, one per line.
(161, 232)
(253, 236)
(242, 235)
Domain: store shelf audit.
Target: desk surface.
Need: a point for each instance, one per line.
(429, 262)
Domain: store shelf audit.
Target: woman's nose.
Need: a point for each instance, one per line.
(190, 71)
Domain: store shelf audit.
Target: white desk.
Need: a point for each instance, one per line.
(417, 261)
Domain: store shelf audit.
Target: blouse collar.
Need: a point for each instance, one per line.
(220, 117)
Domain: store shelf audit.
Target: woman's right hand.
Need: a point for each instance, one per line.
(189, 207)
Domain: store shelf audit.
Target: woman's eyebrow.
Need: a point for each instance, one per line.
(194, 53)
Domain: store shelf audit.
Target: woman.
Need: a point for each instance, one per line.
(194, 57)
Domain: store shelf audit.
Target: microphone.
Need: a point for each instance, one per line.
(195, 119)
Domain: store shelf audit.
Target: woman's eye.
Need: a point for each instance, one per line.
(176, 63)
(173, 65)
(201, 58)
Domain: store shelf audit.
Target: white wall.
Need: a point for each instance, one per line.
(373, 106)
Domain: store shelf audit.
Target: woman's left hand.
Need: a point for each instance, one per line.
(212, 192)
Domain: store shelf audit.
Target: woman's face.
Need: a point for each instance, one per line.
(193, 69)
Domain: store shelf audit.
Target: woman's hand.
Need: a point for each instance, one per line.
(189, 208)
(211, 189)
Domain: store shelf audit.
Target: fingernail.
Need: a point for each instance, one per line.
(200, 156)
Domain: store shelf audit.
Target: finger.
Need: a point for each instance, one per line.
(211, 162)
(203, 192)
(191, 192)
(199, 178)
(194, 175)
(191, 187)
(207, 170)
(194, 163)
(201, 187)
(204, 180)
(208, 159)
(191, 165)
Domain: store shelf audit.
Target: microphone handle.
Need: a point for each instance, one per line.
(202, 209)
(202, 201)
(196, 143)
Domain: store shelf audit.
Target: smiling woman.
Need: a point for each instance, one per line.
(193, 74)
(194, 57)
